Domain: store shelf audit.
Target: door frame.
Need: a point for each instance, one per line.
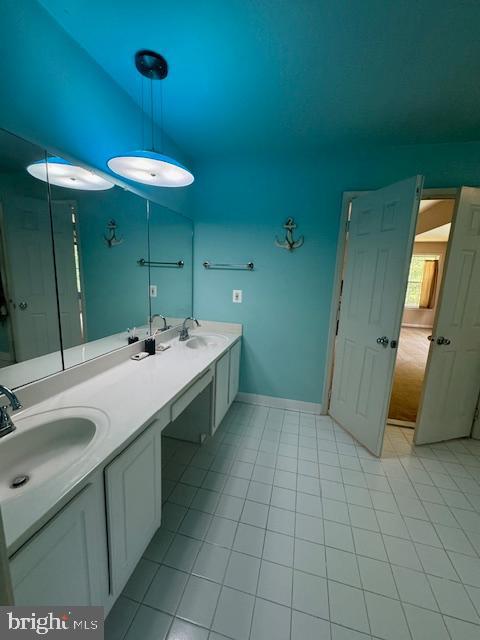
(7, 285)
(447, 193)
(73, 204)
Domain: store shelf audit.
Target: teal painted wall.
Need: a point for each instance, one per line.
(240, 204)
(54, 94)
(171, 240)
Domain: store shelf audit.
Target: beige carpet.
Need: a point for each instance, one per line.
(409, 371)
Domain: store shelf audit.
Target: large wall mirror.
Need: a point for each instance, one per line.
(81, 270)
(98, 237)
(171, 267)
(29, 329)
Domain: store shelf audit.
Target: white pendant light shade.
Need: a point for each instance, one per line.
(63, 173)
(149, 167)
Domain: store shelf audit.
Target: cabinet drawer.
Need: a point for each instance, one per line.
(162, 417)
(191, 393)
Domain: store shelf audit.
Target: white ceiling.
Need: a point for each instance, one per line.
(439, 234)
(427, 204)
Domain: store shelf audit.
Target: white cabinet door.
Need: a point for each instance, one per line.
(234, 371)
(65, 563)
(134, 501)
(222, 383)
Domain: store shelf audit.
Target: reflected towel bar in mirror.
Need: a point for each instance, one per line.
(152, 263)
(217, 265)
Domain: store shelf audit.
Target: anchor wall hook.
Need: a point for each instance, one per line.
(110, 237)
(289, 243)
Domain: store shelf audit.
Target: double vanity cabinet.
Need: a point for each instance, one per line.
(88, 549)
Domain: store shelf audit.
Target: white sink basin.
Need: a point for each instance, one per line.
(205, 341)
(44, 445)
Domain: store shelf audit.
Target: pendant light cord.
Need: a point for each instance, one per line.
(151, 115)
(161, 117)
(142, 101)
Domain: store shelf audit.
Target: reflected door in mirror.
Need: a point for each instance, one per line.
(29, 324)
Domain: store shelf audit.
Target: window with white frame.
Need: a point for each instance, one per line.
(421, 284)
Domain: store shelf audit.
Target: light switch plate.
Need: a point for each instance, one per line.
(153, 291)
(237, 296)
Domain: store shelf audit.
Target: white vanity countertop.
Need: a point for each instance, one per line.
(20, 373)
(130, 395)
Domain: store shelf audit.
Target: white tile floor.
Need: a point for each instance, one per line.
(283, 528)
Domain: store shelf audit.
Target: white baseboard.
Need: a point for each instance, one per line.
(417, 326)
(401, 423)
(280, 403)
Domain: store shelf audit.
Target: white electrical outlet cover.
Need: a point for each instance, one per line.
(237, 295)
(153, 290)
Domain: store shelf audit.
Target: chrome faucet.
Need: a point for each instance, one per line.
(184, 332)
(165, 325)
(6, 424)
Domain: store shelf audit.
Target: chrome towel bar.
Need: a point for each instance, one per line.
(152, 263)
(218, 265)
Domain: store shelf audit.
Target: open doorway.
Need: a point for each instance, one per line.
(424, 281)
(373, 270)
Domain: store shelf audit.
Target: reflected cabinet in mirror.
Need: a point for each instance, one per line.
(171, 267)
(103, 294)
(29, 328)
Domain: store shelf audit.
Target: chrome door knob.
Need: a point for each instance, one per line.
(441, 340)
(383, 341)
(22, 305)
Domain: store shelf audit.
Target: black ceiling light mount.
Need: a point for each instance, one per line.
(151, 64)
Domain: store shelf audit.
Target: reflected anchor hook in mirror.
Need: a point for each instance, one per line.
(110, 237)
(289, 243)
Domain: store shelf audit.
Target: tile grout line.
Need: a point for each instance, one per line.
(234, 454)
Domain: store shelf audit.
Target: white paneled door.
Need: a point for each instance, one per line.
(379, 247)
(32, 295)
(452, 379)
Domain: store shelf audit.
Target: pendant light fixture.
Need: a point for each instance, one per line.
(148, 166)
(62, 173)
